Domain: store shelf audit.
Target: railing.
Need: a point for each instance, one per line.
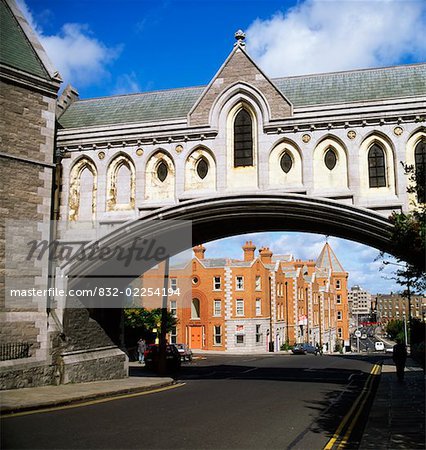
(14, 351)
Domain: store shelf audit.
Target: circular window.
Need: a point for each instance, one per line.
(330, 159)
(286, 162)
(195, 280)
(162, 171)
(202, 168)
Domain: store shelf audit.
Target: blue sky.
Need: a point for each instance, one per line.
(114, 47)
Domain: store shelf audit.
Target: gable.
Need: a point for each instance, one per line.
(239, 67)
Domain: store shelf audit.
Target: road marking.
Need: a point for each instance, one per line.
(250, 370)
(373, 372)
(90, 402)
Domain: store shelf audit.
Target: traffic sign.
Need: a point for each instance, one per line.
(358, 333)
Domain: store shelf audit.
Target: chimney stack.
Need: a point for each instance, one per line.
(199, 251)
(248, 249)
(265, 255)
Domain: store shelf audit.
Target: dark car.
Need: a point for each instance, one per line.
(152, 357)
(184, 351)
(302, 349)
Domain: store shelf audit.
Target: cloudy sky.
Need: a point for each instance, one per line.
(108, 47)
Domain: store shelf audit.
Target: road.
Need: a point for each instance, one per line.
(226, 402)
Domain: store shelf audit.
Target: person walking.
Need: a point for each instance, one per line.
(399, 358)
(141, 350)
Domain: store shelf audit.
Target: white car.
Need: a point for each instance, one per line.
(379, 346)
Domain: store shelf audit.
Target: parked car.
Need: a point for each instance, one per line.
(152, 357)
(379, 346)
(302, 349)
(363, 336)
(184, 351)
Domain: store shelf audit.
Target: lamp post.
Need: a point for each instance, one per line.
(407, 275)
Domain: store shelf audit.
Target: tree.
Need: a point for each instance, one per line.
(147, 320)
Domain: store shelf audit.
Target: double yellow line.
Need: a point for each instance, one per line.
(357, 406)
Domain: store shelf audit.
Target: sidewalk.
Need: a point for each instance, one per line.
(397, 416)
(26, 399)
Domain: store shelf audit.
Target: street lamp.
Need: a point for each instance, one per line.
(407, 275)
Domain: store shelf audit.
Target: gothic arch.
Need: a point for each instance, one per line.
(410, 160)
(76, 194)
(279, 177)
(160, 176)
(194, 179)
(116, 191)
(334, 176)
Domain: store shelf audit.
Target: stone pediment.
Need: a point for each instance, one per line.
(239, 68)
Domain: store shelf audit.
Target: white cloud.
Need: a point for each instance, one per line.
(80, 58)
(323, 36)
(127, 83)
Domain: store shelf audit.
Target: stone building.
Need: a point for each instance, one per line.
(360, 304)
(233, 304)
(328, 142)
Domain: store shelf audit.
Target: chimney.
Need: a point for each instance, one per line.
(265, 255)
(199, 251)
(248, 249)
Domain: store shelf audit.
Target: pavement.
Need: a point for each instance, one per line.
(396, 419)
(397, 415)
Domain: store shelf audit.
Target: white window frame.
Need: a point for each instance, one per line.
(239, 302)
(259, 334)
(258, 283)
(339, 313)
(215, 335)
(173, 308)
(173, 336)
(215, 312)
(258, 307)
(239, 283)
(173, 283)
(338, 284)
(242, 336)
(338, 299)
(215, 283)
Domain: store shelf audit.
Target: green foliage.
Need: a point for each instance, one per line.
(418, 330)
(286, 346)
(146, 320)
(338, 347)
(394, 328)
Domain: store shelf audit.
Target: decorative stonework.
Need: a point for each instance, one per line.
(179, 149)
(139, 152)
(398, 131)
(101, 155)
(306, 138)
(351, 134)
(120, 162)
(75, 191)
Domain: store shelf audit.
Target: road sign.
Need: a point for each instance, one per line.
(358, 333)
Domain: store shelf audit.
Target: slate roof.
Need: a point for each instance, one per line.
(16, 50)
(328, 260)
(307, 90)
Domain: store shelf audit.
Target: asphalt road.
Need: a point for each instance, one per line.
(227, 402)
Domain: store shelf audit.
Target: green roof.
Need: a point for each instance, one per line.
(310, 90)
(15, 49)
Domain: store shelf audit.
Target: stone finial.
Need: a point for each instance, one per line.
(240, 36)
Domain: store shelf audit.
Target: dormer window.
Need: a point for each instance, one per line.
(243, 139)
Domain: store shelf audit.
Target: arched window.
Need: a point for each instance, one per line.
(376, 166)
(243, 139)
(286, 162)
(162, 171)
(202, 168)
(195, 308)
(330, 159)
(420, 162)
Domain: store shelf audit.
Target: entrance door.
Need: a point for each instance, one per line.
(196, 337)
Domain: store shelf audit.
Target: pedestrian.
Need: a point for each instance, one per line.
(399, 357)
(141, 350)
(319, 349)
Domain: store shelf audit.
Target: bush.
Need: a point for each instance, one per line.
(285, 346)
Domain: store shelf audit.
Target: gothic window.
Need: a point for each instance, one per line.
(243, 139)
(376, 166)
(330, 159)
(420, 162)
(286, 162)
(162, 171)
(202, 168)
(195, 308)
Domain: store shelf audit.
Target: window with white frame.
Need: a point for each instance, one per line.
(173, 335)
(239, 307)
(173, 283)
(217, 307)
(258, 307)
(258, 285)
(217, 338)
(217, 283)
(339, 315)
(239, 283)
(239, 334)
(173, 308)
(337, 284)
(338, 299)
(339, 333)
(258, 334)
